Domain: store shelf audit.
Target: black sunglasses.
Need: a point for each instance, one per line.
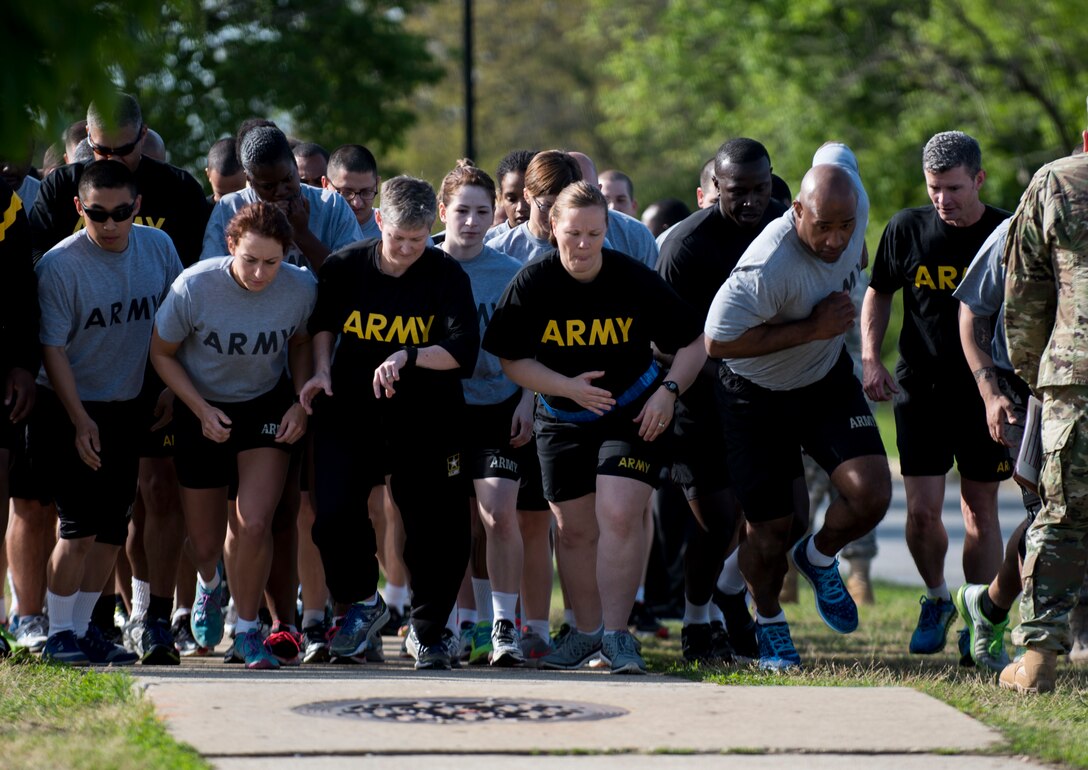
(119, 214)
(117, 152)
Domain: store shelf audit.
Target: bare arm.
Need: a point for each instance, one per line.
(976, 339)
(388, 372)
(876, 310)
(657, 412)
(533, 375)
(321, 381)
(831, 317)
(214, 423)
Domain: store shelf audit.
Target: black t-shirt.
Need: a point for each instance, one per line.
(19, 313)
(172, 201)
(927, 258)
(376, 315)
(605, 324)
(697, 256)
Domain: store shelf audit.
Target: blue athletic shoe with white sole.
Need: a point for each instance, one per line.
(776, 650)
(933, 622)
(206, 618)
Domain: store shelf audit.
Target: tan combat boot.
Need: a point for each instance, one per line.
(857, 584)
(1032, 674)
(1078, 627)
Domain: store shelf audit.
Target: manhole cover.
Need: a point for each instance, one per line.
(455, 710)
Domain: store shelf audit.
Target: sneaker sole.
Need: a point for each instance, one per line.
(629, 669)
(262, 665)
(819, 610)
(161, 656)
(317, 656)
(507, 660)
(434, 666)
(196, 652)
(544, 663)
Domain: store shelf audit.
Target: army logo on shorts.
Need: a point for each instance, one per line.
(453, 465)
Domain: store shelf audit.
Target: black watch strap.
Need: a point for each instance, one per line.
(672, 387)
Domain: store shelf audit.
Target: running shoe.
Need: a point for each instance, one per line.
(396, 620)
(132, 635)
(776, 650)
(182, 630)
(933, 622)
(284, 645)
(100, 651)
(643, 622)
(207, 616)
(317, 644)
(250, 647)
(453, 647)
(65, 648)
(833, 602)
(696, 643)
(506, 645)
(481, 643)
(157, 644)
(561, 634)
(963, 646)
(739, 624)
(533, 645)
(360, 626)
(120, 614)
(720, 647)
(464, 640)
(31, 632)
(621, 652)
(574, 651)
(987, 639)
(233, 654)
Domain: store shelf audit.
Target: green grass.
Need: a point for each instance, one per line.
(1052, 728)
(55, 716)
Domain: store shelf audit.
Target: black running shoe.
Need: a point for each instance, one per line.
(157, 644)
(739, 624)
(643, 622)
(396, 620)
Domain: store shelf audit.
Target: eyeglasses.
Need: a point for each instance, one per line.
(117, 152)
(543, 205)
(366, 193)
(119, 214)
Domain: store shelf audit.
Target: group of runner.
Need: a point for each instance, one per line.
(285, 385)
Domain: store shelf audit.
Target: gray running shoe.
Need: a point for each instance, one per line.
(506, 644)
(621, 650)
(31, 632)
(132, 635)
(360, 627)
(573, 651)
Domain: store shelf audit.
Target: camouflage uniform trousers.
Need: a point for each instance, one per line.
(1057, 542)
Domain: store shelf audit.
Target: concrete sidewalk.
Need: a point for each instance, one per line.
(392, 716)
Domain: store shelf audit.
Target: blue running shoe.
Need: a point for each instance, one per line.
(573, 651)
(776, 650)
(207, 616)
(621, 651)
(480, 652)
(933, 622)
(833, 602)
(250, 647)
(64, 648)
(360, 627)
(100, 651)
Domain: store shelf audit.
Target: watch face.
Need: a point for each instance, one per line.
(671, 386)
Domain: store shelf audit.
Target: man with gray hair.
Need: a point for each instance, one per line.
(406, 322)
(939, 414)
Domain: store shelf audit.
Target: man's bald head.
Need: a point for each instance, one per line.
(589, 168)
(826, 211)
(154, 146)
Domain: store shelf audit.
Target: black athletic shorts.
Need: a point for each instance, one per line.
(12, 435)
(767, 430)
(90, 503)
(27, 480)
(937, 422)
(573, 454)
(488, 453)
(205, 464)
(155, 443)
(699, 456)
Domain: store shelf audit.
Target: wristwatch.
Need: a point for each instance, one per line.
(672, 387)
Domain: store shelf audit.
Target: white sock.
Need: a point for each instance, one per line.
(640, 594)
(815, 557)
(451, 621)
(940, 592)
(81, 611)
(696, 613)
(716, 615)
(504, 605)
(481, 590)
(180, 612)
(541, 627)
(60, 612)
(14, 596)
(465, 615)
(730, 581)
(208, 586)
(243, 627)
(568, 618)
(141, 597)
(779, 618)
(312, 617)
(369, 602)
(396, 596)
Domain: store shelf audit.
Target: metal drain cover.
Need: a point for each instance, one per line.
(460, 710)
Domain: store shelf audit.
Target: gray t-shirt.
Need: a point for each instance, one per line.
(489, 272)
(629, 236)
(521, 244)
(983, 290)
(331, 220)
(779, 280)
(100, 306)
(234, 341)
(370, 230)
(502, 228)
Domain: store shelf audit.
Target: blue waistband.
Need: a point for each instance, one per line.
(640, 386)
